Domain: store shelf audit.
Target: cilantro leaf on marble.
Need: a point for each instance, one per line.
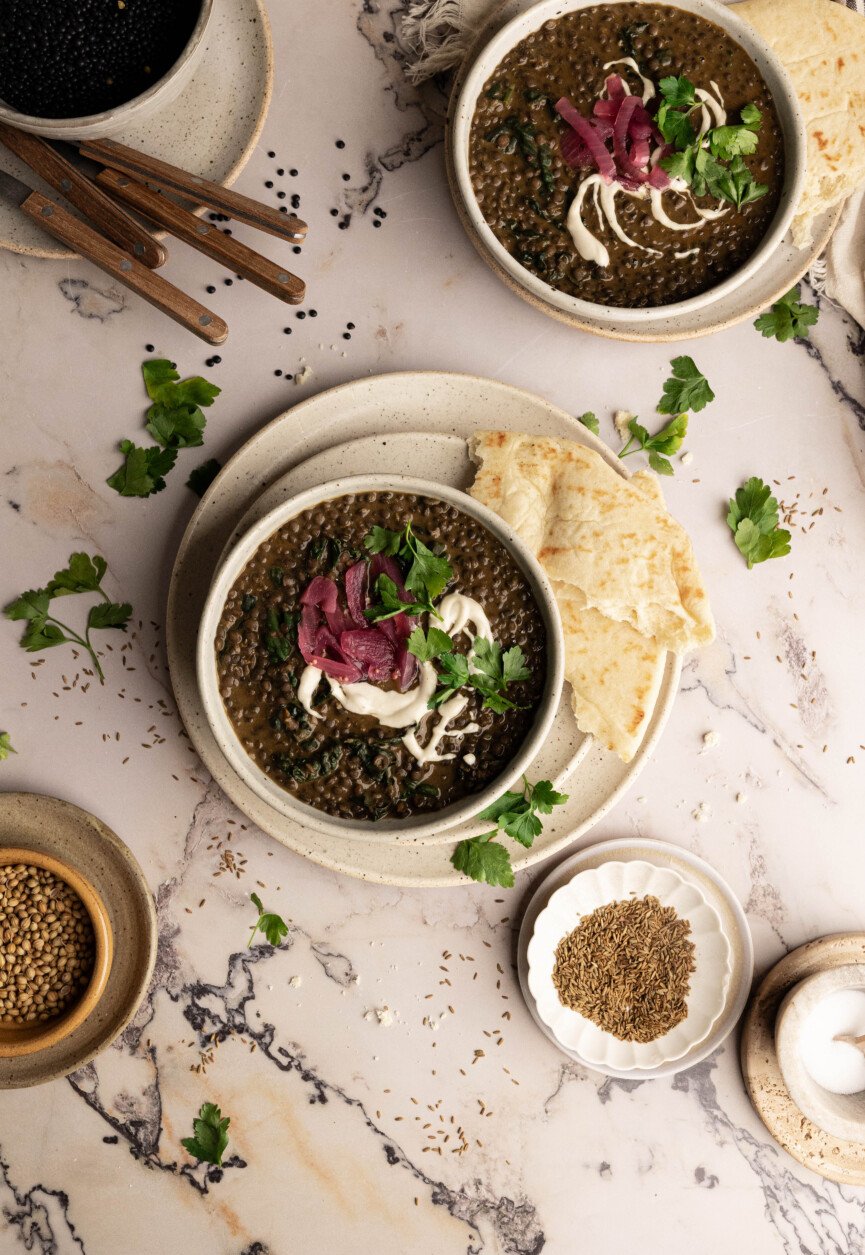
(660, 446)
(211, 1135)
(143, 471)
(589, 420)
(484, 860)
(788, 319)
(6, 746)
(753, 519)
(273, 926)
(686, 389)
(516, 815)
(203, 476)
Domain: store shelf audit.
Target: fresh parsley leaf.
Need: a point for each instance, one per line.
(6, 746)
(686, 389)
(179, 427)
(589, 420)
(273, 926)
(159, 375)
(678, 93)
(211, 1135)
(788, 319)
(726, 142)
(82, 575)
(109, 614)
(753, 520)
(162, 383)
(680, 165)
(382, 540)
(514, 667)
(453, 675)
(203, 476)
(390, 604)
(515, 815)
(485, 860)
(429, 645)
(665, 442)
(428, 574)
(143, 471)
(676, 126)
(745, 188)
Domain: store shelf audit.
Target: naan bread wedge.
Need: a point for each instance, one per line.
(608, 540)
(822, 45)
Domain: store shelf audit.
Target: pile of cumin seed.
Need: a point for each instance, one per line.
(627, 968)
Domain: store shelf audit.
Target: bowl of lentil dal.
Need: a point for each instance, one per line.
(379, 656)
(624, 162)
(56, 949)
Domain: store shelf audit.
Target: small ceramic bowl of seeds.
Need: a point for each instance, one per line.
(56, 948)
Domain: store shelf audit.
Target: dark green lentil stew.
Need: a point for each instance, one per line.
(524, 188)
(345, 764)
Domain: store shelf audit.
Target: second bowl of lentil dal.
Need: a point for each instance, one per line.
(380, 657)
(56, 948)
(580, 140)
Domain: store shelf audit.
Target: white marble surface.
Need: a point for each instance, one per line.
(337, 1119)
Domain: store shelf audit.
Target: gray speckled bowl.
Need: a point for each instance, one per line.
(427, 825)
(112, 121)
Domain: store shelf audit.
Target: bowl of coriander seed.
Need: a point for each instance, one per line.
(56, 948)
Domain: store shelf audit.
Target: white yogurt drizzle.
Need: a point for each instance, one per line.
(648, 85)
(393, 709)
(589, 247)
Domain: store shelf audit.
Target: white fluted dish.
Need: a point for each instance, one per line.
(612, 882)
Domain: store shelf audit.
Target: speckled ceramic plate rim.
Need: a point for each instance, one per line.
(299, 433)
(830, 1156)
(57, 253)
(123, 993)
(742, 303)
(718, 894)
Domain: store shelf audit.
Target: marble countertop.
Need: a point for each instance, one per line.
(353, 1130)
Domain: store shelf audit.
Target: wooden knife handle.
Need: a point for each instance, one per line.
(58, 222)
(80, 191)
(148, 169)
(206, 237)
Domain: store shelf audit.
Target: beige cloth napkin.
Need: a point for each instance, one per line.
(437, 33)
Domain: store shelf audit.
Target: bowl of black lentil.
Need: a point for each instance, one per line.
(81, 69)
(380, 657)
(625, 161)
(56, 948)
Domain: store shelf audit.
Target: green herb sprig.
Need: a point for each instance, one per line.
(589, 420)
(203, 476)
(660, 446)
(788, 319)
(174, 420)
(427, 573)
(516, 815)
(686, 389)
(6, 746)
(713, 163)
(492, 669)
(211, 1135)
(273, 926)
(753, 520)
(84, 574)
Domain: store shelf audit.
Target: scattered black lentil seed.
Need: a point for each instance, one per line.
(300, 314)
(281, 195)
(377, 222)
(293, 173)
(148, 348)
(216, 360)
(286, 331)
(295, 200)
(283, 209)
(228, 282)
(345, 178)
(340, 143)
(346, 335)
(277, 372)
(313, 313)
(296, 248)
(280, 172)
(210, 288)
(268, 183)
(334, 213)
(271, 154)
(350, 326)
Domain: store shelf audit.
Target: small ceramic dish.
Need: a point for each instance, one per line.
(840, 1114)
(605, 316)
(25, 1039)
(283, 802)
(612, 882)
(102, 125)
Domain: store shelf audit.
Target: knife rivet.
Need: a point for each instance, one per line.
(283, 278)
(126, 264)
(203, 229)
(123, 183)
(138, 249)
(205, 320)
(47, 211)
(65, 185)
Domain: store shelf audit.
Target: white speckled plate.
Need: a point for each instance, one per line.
(716, 892)
(617, 882)
(414, 402)
(211, 129)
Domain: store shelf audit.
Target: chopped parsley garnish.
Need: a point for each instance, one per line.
(84, 574)
(686, 389)
(453, 675)
(589, 420)
(489, 671)
(429, 645)
(660, 446)
(203, 476)
(390, 604)
(788, 319)
(712, 164)
(428, 573)
(175, 421)
(516, 815)
(6, 746)
(753, 520)
(273, 926)
(211, 1135)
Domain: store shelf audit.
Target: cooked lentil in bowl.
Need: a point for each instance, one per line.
(47, 946)
(631, 120)
(334, 692)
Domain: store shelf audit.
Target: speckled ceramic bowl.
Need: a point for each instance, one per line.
(427, 825)
(112, 121)
(25, 1039)
(789, 114)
